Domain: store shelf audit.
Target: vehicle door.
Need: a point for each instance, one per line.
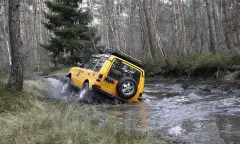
(118, 70)
(87, 72)
(80, 76)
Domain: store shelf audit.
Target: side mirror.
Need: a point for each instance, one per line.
(80, 64)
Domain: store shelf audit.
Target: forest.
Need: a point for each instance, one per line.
(155, 31)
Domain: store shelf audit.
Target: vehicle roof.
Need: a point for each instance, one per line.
(128, 58)
(101, 55)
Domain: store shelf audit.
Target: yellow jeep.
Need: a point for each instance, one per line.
(116, 75)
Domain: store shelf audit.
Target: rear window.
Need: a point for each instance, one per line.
(119, 70)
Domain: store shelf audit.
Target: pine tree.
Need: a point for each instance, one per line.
(73, 39)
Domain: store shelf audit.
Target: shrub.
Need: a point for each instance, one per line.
(198, 66)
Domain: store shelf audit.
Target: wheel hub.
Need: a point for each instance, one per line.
(128, 88)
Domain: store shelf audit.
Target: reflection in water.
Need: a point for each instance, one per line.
(142, 110)
(229, 127)
(131, 112)
(193, 114)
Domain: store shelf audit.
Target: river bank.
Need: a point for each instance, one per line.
(33, 116)
(218, 68)
(211, 65)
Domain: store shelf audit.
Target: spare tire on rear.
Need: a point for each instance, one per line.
(127, 87)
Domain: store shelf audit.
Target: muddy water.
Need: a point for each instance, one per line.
(196, 114)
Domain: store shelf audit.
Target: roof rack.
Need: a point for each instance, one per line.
(123, 56)
(128, 58)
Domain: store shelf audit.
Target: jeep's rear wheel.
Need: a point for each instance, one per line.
(127, 87)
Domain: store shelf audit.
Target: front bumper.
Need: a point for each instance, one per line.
(98, 89)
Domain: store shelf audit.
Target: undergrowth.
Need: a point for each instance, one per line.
(26, 118)
(12, 101)
(196, 66)
(63, 123)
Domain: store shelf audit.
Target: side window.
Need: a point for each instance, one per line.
(87, 64)
(93, 64)
(119, 70)
(99, 64)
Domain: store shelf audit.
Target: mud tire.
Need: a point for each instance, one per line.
(84, 91)
(127, 87)
(67, 86)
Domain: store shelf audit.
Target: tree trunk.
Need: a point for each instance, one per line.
(16, 75)
(109, 8)
(118, 23)
(226, 25)
(212, 30)
(176, 29)
(144, 37)
(159, 44)
(35, 36)
(216, 20)
(195, 24)
(182, 20)
(5, 32)
(152, 42)
(141, 20)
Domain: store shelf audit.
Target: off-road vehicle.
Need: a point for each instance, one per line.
(115, 74)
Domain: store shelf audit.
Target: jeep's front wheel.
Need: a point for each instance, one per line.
(66, 86)
(84, 91)
(127, 87)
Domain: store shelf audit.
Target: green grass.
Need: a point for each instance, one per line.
(61, 123)
(27, 118)
(10, 100)
(198, 66)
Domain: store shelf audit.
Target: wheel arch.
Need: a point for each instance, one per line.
(69, 75)
(86, 81)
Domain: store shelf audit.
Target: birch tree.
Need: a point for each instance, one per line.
(212, 30)
(152, 42)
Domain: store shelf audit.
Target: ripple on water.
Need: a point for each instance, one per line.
(198, 114)
(192, 114)
(176, 130)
